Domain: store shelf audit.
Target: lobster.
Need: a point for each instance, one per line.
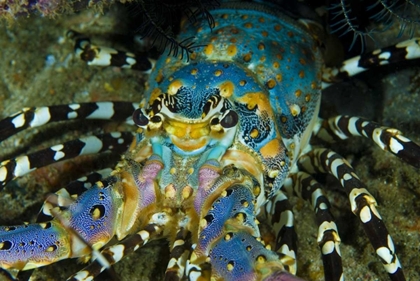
(223, 138)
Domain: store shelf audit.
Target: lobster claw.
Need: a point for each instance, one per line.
(229, 239)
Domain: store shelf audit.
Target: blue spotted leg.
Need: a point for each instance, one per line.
(56, 242)
(65, 196)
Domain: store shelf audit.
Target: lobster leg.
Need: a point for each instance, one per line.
(92, 216)
(142, 179)
(88, 223)
(389, 139)
(406, 50)
(229, 246)
(105, 56)
(363, 204)
(29, 246)
(115, 253)
(33, 117)
(179, 254)
(69, 193)
(13, 168)
(307, 188)
(280, 217)
(231, 249)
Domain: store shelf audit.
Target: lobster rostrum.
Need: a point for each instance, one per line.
(223, 136)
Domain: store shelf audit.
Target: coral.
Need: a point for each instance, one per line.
(13, 9)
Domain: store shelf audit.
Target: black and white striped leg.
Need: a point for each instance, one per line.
(19, 166)
(281, 219)
(105, 56)
(179, 254)
(115, 253)
(406, 50)
(307, 188)
(389, 139)
(32, 117)
(363, 204)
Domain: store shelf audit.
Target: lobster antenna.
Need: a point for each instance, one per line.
(405, 13)
(348, 22)
(355, 17)
(162, 18)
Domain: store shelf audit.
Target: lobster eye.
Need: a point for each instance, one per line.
(139, 118)
(230, 119)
